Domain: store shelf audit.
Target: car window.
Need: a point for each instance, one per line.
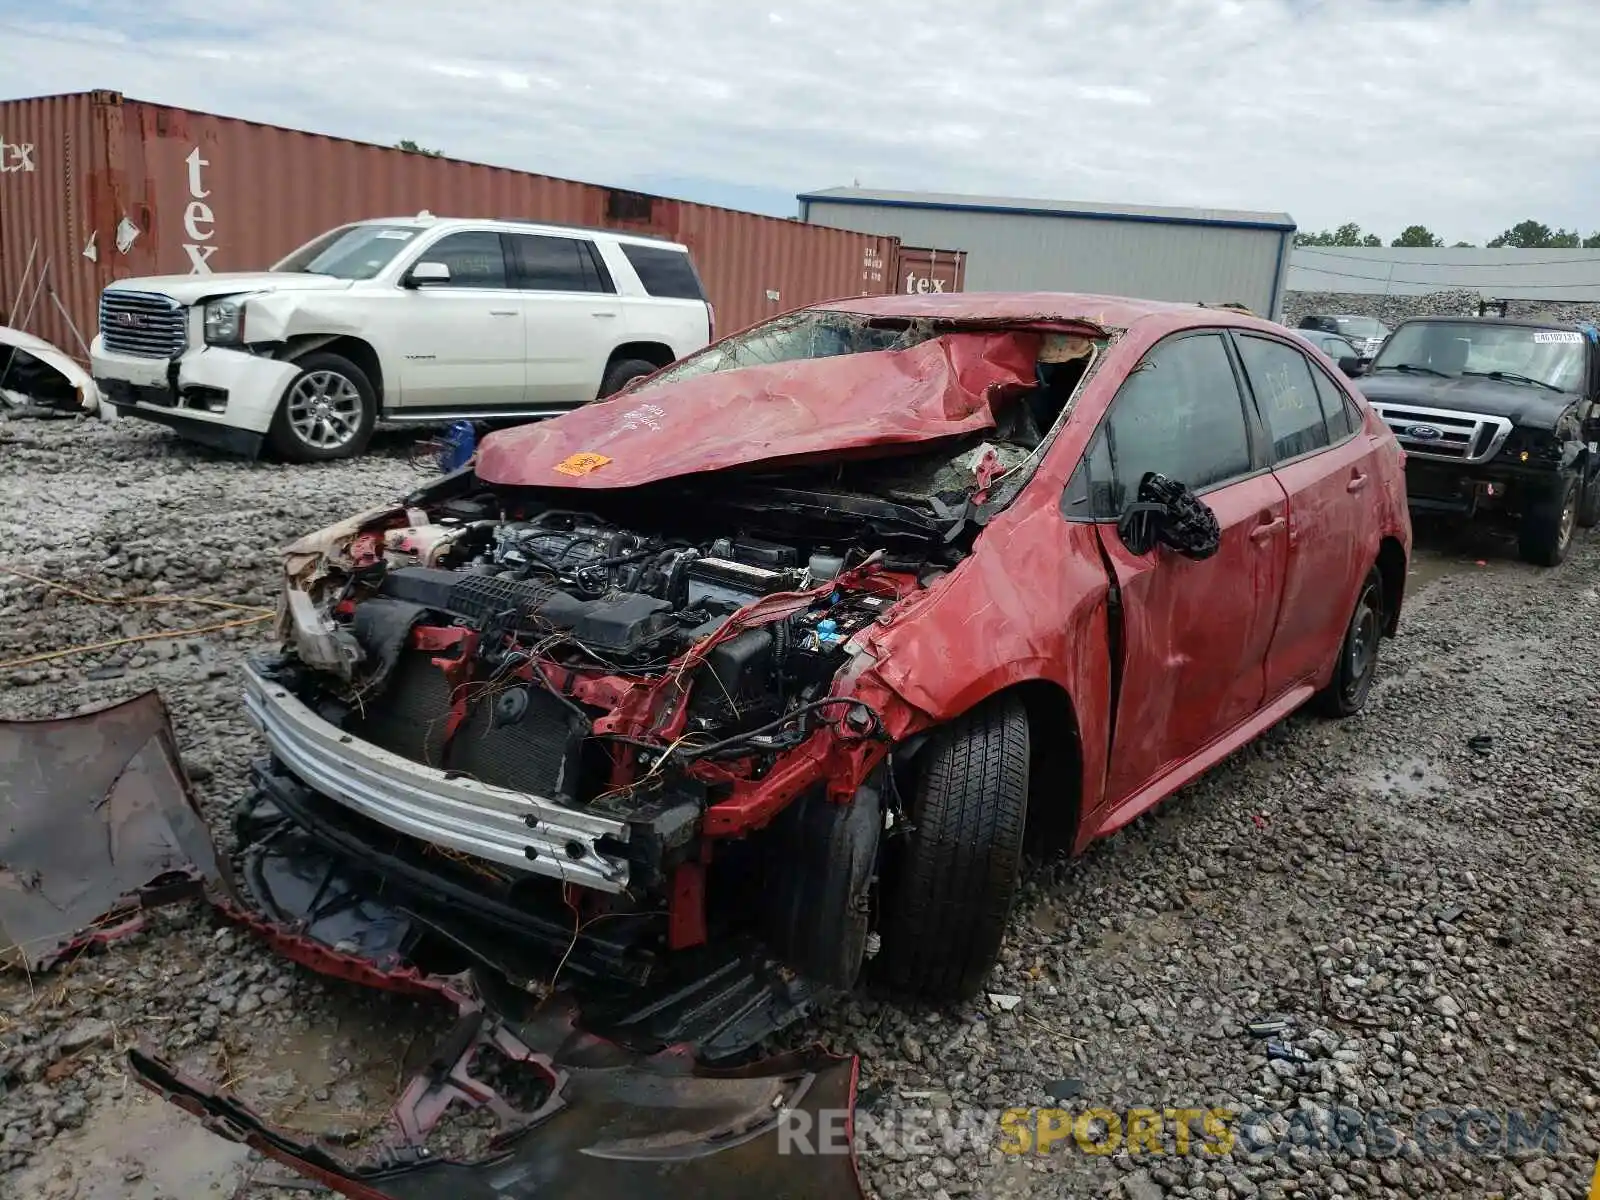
(474, 257)
(665, 273)
(557, 264)
(1337, 408)
(1180, 414)
(1338, 348)
(1280, 377)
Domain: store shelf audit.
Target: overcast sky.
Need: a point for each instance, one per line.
(1465, 115)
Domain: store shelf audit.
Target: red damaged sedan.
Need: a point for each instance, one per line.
(759, 674)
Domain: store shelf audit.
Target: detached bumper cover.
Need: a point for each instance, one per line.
(512, 828)
(609, 1124)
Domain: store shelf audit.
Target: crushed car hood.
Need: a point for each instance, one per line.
(1520, 403)
(191, 289)
(96, 822)
(777, 414)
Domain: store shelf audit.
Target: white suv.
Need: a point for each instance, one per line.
(419, 319)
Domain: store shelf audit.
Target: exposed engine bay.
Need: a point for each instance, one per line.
(547, 705)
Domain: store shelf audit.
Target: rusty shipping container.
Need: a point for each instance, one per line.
(922, 270)
(95, 187)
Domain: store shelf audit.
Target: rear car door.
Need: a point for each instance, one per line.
(460, 344)
(1195, 633)
(672, 309)
(574, 318)
(1326, 464)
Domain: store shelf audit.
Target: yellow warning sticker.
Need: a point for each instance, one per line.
(581, 464)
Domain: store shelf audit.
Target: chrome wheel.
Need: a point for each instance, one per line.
(324, 410)
(1569, 519)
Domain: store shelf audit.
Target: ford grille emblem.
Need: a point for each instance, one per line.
(1425, 433)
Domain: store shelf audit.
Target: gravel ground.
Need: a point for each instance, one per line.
(1421, 912)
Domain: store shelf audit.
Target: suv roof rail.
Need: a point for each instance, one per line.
(655, 237)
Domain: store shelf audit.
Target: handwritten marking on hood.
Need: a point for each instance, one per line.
(646, 416)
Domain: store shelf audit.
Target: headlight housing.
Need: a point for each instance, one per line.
(225, 322)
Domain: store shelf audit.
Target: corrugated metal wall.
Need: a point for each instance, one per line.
(50, 199)
(1009, 251)
(206, 193)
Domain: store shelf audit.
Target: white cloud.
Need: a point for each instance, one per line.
(1466, 115)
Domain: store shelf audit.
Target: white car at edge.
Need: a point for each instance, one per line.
(415, 319)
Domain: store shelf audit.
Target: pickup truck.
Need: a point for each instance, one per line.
(413, 319)
(1499, 420)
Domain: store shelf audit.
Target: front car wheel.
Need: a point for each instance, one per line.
(327, 412)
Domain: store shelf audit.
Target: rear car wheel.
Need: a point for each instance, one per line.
(950, 886)
(327, 412)
(1346, 693)
(1548, 522)
(624, 372)
(1589, 506)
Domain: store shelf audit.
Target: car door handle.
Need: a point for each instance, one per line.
(502, 312)
(1266, 529)
(605, 314)
(1357, 482)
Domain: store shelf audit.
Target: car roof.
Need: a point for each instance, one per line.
(1107, 312)
(429, 221)
(1521, 322)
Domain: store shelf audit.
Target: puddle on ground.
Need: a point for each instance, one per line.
(1412, 778)
(340, 1078)
(137, 1148)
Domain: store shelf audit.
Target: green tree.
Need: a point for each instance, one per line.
(1592, 242)
(1524, 235)
(1417, 235)
(1348, 234)
(409, 145)
(1463, 246)
(1565, 239)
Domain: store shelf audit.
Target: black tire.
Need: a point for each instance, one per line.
(623, 372)
(1589, 506)
(951, 884)
(1548, 522)
(1357, 667)
(346, 428)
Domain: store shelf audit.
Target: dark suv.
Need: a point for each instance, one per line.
(1497, 418)
(1365, 333)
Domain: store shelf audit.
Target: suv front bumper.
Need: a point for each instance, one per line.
(511, 828)
(220, 397)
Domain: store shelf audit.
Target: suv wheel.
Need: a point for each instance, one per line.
(1346, 693)
(624, 372)
(327, 412)
(950, 886)
(1589, 506)
(1548, 522)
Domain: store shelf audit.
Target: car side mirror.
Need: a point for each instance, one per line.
(426, 274)
(1168, 513)
(1352, 366)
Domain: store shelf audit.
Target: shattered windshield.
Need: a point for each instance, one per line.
(1551, 358)
(800, 335)
(354, 252)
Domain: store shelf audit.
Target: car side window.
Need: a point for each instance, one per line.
(1281, 378)
(1340, 413)
(474, 257)
(557, 264)
(1180, 414)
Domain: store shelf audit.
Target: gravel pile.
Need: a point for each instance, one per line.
(1415, 900)
(1393, 309)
